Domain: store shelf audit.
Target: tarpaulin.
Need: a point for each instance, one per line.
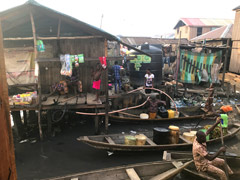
(19, 65)
(192, 65)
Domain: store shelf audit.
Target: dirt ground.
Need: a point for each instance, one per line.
(63, 154)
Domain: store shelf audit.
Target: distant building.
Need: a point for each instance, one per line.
(217, 37)
(235, 56)
(193, 27)
(136, 41)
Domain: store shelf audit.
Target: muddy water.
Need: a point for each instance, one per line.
(63, 154)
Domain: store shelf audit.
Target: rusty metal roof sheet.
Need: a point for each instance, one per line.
(219, 33)
(141, 40)
(201, 22)
(236, 8)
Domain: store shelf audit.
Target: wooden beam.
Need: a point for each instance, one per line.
(18, 39)
(106, 89)
(59, 28)
(109, 140)
(225, 62)
(49, 38)
(132, 174)
(39, 83)
(85, 58)
(7, 155)
(149, 141)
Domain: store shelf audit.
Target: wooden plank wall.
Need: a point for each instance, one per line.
(235, 56)
(50, 71)
(7, 156)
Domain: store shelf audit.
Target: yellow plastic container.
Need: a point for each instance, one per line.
(174, 134)
(171, 114)
(130, 140)
(189, 136)
(140, 139)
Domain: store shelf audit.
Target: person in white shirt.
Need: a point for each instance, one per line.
(148, 83)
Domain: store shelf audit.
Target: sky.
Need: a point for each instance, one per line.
(137, 17)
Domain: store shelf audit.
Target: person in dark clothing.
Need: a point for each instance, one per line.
(117, 77)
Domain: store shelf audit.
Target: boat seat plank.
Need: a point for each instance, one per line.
(150, 142)
(199, 174)
(164, 175)
(132, 174)
(185, 140)
(109, 140)
(85, 138)
(177, 164)
(184, 114)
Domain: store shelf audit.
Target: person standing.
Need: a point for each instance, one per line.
(148, 83)
(97, 81)
(205, 162)
(117, 77)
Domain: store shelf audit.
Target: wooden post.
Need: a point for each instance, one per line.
(39, 83)
(18, 126)
(106, 90)
(59, 28)
(7, 155)
(96, 122)
(178, 62)
(225, 62)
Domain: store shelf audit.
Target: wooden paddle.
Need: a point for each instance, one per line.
(225, 162)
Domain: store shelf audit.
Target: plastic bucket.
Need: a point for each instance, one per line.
(130, 140)
(140, 139)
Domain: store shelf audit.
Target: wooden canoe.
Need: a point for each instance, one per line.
(115, 142)
(133, 115)
(233, 161)
(159, 170)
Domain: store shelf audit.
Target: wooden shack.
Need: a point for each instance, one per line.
(235, 56)
(31, 23)
(193, 27)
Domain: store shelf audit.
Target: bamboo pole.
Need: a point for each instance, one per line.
(106, 90)
(39, 83)
(225, 62)
(7, 156)
(224, 156)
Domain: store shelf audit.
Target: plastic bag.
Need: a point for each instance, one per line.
(66, 69)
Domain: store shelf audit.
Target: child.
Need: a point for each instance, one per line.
(97, 81)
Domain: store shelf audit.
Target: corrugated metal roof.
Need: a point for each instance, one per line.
(203, 22)
(141, 40)
(236, 8)
(219, 33)
(93, 29)
(87, 27)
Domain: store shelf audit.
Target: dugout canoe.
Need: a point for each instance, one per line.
(133, 116)
(115, 142)
(159, 170)
(233, 160)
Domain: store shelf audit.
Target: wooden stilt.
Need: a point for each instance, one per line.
(225, 62)
(39, 83)
(25, 117)
(96, 122)
(106, 91)
(49, 122)
(7, 155)
(18, 126)
(178, 63)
